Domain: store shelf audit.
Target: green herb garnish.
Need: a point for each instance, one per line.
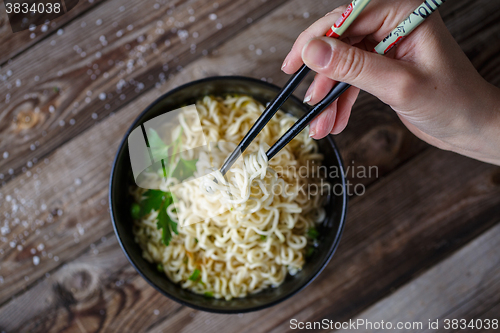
(195, 276)
(208, 294)
(158, 147)
(309, 251)
(160, 268)
(263, 237)
(313, 233)
(135, 210)
(164, 222)
(152, 200)
(156, 200)
(184, 169)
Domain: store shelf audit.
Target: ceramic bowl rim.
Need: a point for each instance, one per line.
(331, 249)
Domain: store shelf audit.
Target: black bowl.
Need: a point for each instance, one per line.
(120, 201)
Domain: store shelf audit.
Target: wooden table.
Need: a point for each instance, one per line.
(421, 244)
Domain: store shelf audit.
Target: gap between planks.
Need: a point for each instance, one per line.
(77, 64)
(14, 46)
(453, 289)
(285, 32)
(363, 255)
(81, 204)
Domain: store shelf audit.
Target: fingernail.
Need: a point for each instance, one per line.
(317, 53)
(309, 93)
(312, 133)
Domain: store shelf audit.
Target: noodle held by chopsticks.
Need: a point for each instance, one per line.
(258, 233)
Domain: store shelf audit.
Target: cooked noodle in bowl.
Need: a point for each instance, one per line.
(234, 235)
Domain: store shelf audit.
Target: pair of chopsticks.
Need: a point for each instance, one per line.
(350, 14)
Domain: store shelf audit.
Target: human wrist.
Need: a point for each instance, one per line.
(481, 137)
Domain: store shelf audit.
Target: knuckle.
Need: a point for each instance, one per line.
(305, 36)
(349, 65)
(338, 10)
(300, 42)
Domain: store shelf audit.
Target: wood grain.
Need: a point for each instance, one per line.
(82, 78)
(62, 183)
(88, 294)
(69, 207)
(15, 43)
(69, 101)
(387, 242)
(79, 282)
(84, 217)
(464, 286)
(493, 312)
(407, 222)
(379, 253)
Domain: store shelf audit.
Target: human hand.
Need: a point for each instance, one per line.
(426, 79)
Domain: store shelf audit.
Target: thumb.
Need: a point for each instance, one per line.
(383, 77)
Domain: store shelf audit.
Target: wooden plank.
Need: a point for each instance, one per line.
(66, 82)
(88, 294)
(69, 208)
(375, 136)
(493, 312)
(274, 41)
(401, 227)
(464, 286)
(79, 282)
(386, 243)
(15, 43)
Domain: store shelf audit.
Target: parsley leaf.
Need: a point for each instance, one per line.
(184, 169)
(152, 200)
(159, 201)
(162, 223)
(195, 276)
(173, 226)
(165, 223)
(177, 146)
(313, 233)
(158, 148)
(135, 210)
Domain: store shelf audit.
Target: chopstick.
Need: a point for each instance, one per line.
(264, 118)
(336, 30)
(392, 39)
(303, 121)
